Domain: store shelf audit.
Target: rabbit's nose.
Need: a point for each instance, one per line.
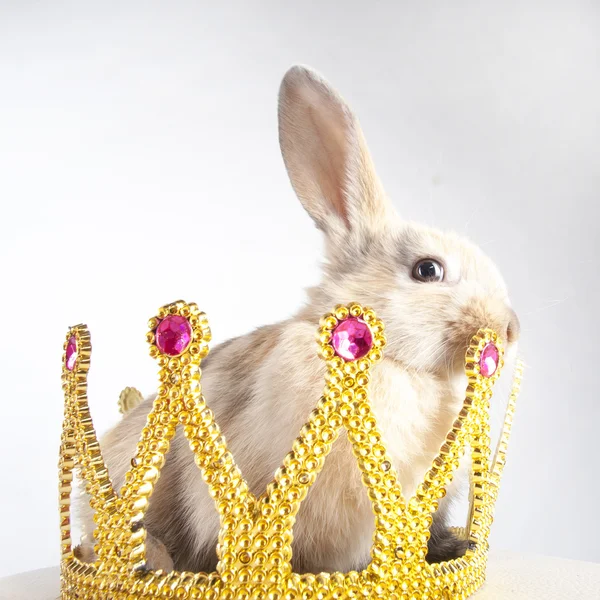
(513, 329)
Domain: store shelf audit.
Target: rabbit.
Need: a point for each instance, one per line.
(432, 290)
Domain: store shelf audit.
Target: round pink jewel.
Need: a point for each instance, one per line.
(352, 339)
(488, 363)
(173, 335)
(71, 353)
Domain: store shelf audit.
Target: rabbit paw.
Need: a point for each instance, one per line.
(444, 545)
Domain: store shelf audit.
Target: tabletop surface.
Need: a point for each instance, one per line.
(510, 576)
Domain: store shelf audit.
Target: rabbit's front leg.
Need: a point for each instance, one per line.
(444, 544)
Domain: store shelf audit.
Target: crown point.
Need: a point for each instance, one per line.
(71, 353)
(352, 339)
(173, 335)
(490, 357)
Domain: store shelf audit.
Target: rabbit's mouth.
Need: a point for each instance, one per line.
(483, 313)
(479, 315)
(451, 362)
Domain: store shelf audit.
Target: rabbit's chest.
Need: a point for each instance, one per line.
(414, 415)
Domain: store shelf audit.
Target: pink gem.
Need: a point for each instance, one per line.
(488, 363)
(71, 354)
(352, 339)
(173, 335)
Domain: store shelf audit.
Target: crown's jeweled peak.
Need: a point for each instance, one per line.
(489, 360)
(173, 335)
(352, 338)
(71, 353)
(255, 541)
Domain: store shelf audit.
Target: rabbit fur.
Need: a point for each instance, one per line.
(262, 386)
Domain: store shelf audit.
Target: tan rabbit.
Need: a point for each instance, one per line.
(433, 291)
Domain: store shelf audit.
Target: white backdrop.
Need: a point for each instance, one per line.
(139, 163)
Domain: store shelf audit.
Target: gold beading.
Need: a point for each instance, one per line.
(255, 540)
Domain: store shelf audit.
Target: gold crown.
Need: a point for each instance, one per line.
(255, 539)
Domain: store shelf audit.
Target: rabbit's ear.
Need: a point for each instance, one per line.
(326, 156)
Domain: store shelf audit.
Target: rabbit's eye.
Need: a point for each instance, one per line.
(428, 270)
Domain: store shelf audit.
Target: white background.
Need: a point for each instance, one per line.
(139, 164)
